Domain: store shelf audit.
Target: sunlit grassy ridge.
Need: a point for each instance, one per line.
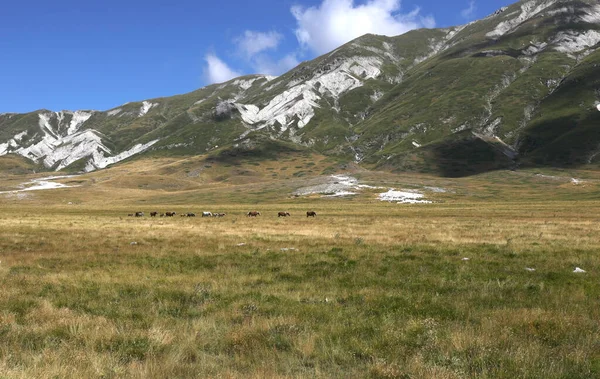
(365, 289)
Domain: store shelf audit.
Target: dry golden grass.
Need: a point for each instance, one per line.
(365, 289)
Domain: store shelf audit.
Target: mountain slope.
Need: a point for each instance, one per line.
(519, 87)
(495, 78)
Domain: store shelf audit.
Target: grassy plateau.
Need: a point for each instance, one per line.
(478, 284)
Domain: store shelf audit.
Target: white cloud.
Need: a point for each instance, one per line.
(217, 71)
(469, 13)
(253, 46)
(265, 65)
(252, 43)
(428, 22)
(336, 22)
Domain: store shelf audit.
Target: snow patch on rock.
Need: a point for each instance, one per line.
(376, 96)
(297, 104)
(114, 112)
(99, 160)
(452, 32)
(19, 136)
(592, 15)
(72, 148)
(335, 186)
(77, 120)
(437, 46)
(42, 184)
(146, 106)
(12, 144)
(563, 10)
(535, 48)
(63, 144)
(244, 84)
(344, 185)
(341, 194)
(403, 197)
(59, 150)
(571, 42)
(44, 123)
(528, 10)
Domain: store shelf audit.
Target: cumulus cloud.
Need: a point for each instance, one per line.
(257, 48)
(218, 71)
(335, 22)
(469, 13)
(428, 22)
(268, 66)
(252, 42)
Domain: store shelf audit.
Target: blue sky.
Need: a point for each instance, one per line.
(73, 54)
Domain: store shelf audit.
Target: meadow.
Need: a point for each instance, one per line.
(478, 284)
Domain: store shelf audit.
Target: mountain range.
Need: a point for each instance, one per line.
(518, 88)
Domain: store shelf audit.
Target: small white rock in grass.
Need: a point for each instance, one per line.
(579, 270)
(133, 243)
(287, 248)
(530, 269)
(466, 259)
(241, 244)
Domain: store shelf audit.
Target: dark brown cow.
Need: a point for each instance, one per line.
(253, 214)
(139, 214)
(170, 214)
(191, 214)
(130, 215)
(153, 214)
(311, 214)
(162, 215)
(283, 214)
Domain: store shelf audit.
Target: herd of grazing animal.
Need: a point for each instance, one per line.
(214, 214)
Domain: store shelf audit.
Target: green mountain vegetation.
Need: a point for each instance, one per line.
(518, 88)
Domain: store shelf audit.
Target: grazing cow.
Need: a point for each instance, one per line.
(191, 214)
(253, 214)
(139, 214)
(283, 214)
(311, 214)
(219, 214)
(162, 215)
(183, 215)
(153, 214)
(207, 214)
(170, 214)
(130, 215)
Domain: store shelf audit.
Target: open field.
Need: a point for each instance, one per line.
(365, 289)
